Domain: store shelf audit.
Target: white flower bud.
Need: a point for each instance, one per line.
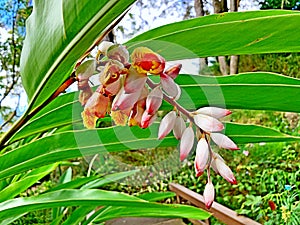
(208, 123)
(166, 124)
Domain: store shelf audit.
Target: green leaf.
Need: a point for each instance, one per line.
(11, 219)
(156, 196)
(57, 34)
(63, 110)
(66, 176)
(108, 179)
(245, 133)
(21, 185)
(263, 91)
(93, 181)
(78, 215)
(224, 34)
(72, 144)
(74, 184)
(258, 90)
(64, 198)
(116, 212)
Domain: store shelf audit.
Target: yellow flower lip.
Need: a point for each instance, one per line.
(144, 60)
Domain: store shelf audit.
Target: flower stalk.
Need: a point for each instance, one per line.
(128, 94)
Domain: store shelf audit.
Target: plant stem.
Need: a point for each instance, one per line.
(170, 100)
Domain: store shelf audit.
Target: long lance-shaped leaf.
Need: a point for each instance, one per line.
(110, 212)
(21, 185)
(72, 144)
(93, 181)
(116, 212)
(65, 198)
(224, 34)
(57, 34)
(62, 111)
(263, 91)
(108, 179)
(245, 133)
(80, 213)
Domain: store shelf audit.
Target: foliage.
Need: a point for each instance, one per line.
(265, 172)
(60, 36)
(286, 64)
(13, 15)
(280, 4)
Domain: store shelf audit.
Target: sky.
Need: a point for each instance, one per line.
(153, 19)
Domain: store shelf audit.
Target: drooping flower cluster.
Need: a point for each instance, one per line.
(123, 93)
(206, 123)
(130, 97)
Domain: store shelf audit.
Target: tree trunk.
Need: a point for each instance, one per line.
(234, 64)
(220, 6)
(199, 9)
(223, 65)
(234, 5)
(234, 59)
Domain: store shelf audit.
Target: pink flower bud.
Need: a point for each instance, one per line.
(136, 115)
(86, 69)
(138, 109)
(154, 100)
(208, 123)
(166, 124)
(95, 107)
(179, 127)
(97, 104)
(223, 141)
(144, 60)
(104, 46)
(134, 81)
(85, 94)
(118, 52)
(220, 167)
(173, 71)
(186, 143)
(202, 155)
(214, 112)
(147, 119)
(215, 157)
(83, 73)
(209, 194)
(113, 88)
(169, 86)
(124, 101)
(111, 72)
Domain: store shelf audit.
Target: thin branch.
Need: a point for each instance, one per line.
(13, 47)
(9, 119)
(12, 114)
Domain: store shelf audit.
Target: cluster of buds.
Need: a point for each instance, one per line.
(206, 123)
(128, 95)
(123, 93)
